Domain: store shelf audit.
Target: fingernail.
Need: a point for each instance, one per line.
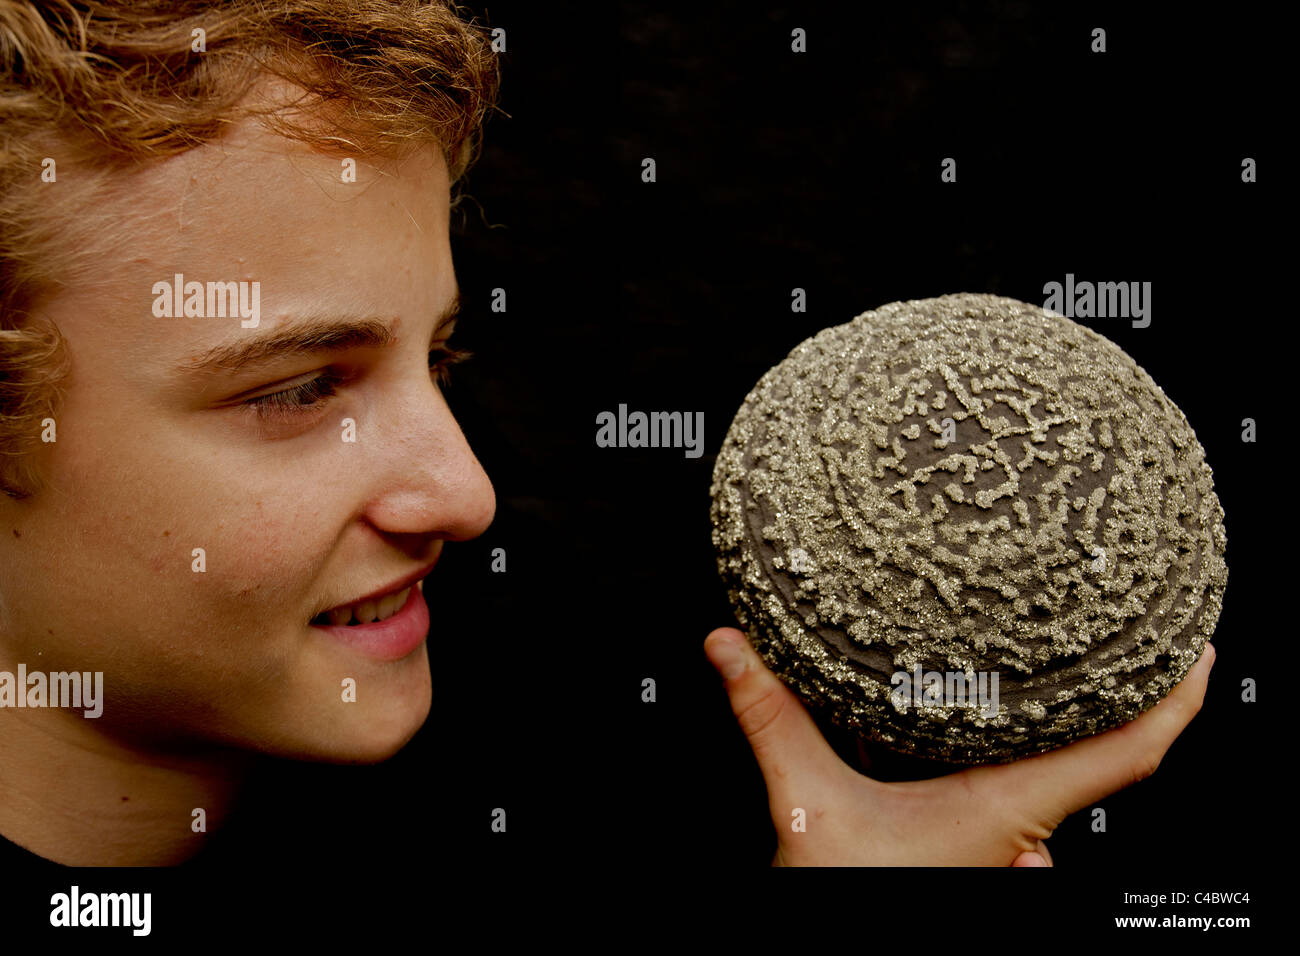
(728, 659)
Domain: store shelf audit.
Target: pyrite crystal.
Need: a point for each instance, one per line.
(969, 485)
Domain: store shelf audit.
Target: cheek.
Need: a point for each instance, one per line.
(142, 551)
(114, 585)
(179, 509)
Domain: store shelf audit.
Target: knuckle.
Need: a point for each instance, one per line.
(1038, 831)
(1145, 765)
(758, 715)
(1024, 843)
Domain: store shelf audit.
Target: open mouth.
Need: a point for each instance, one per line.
(367, 612)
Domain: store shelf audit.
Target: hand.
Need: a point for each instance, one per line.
(983, 816)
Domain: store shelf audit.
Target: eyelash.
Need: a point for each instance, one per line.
(313, 394)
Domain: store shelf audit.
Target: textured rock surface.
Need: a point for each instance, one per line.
(1066, 538)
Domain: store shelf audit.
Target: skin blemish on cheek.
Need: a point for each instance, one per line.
(16, 533)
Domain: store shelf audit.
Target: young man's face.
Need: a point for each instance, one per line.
(154, 460)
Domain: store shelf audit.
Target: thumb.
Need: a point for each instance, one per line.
(787, 744)
(1029, 859)
(1072, 777)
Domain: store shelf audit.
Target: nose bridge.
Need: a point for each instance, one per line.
(435, 483)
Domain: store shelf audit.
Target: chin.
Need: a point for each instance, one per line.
(386, 728)
(381, 722)
(372, 750)
(370, 740)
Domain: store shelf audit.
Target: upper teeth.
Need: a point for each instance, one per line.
(368, 611)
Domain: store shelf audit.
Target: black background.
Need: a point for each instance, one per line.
(778, 170)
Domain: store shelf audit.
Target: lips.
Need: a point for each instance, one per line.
(376, 605)
(366, 612)
(391, 639)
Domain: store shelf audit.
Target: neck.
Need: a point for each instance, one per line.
(77, 795)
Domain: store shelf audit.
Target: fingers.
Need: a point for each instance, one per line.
(1042, 851)
(791, 752)
(1080, 773)
(1035, 857)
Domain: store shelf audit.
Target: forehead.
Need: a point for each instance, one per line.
(255, 206)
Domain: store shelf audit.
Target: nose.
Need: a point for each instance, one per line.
(432, 484)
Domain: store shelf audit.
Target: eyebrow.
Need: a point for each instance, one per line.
(309, 336)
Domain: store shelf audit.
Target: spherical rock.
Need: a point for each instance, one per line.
(969, 528)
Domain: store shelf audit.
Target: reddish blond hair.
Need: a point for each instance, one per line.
(105, 85)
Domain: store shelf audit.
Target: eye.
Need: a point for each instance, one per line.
(315, 393)
(442, 358)
(301, 398)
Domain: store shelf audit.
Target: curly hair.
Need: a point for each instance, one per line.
(106, 85)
